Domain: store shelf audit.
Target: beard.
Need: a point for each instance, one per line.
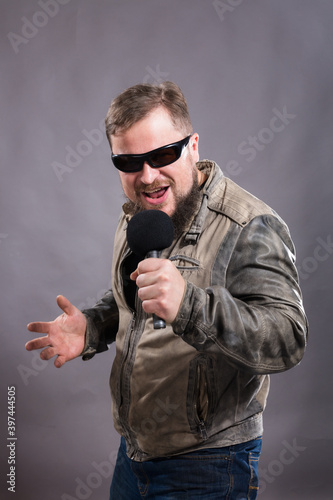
(186, 206)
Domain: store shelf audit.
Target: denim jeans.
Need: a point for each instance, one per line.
(229, 473)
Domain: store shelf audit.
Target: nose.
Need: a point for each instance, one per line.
(148, 174)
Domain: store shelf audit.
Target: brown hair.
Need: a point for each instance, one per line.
(136, 102)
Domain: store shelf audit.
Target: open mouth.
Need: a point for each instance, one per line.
(157, 195)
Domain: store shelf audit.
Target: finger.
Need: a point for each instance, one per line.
(39, 327)
(151, 306)
(60, 361)
(37, 343)
(48, 353)
(65, 305)
(147, 293)
(150, 279)
(148, 265)
(149, 270)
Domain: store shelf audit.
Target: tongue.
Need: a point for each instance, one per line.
(157, 194)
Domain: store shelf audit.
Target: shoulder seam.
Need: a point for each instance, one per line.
(236, 203)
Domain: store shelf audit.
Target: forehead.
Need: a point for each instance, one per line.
(155, 130)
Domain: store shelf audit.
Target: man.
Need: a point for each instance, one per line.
(188, 399)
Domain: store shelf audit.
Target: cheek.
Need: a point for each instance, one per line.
(127, 183)
(186, 181)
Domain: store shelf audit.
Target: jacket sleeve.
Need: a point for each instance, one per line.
(102, 326)
(256, 320)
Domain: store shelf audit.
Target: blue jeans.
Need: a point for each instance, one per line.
(229, 473)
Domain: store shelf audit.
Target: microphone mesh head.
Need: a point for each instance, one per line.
(149, 230)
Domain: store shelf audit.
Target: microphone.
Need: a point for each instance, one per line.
(148, 233)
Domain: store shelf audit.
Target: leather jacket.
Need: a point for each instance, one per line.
(203, 381)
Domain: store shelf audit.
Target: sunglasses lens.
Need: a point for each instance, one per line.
(164, 157)
(127, 164)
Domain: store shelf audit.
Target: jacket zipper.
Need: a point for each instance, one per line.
(124, 361)
(203, 431)
(129, 336)
(201, 417)
(137, 316)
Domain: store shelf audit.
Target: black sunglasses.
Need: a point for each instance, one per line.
(160, 157)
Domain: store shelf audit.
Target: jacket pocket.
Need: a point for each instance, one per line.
(184, 263)
(200, 395)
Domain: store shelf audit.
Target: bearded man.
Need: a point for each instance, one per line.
(188, 399)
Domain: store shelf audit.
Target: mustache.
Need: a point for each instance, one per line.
(141, 187)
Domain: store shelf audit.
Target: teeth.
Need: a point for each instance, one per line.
(155, 191)
(158, 192)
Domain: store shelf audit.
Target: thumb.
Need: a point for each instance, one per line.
(134, 275)
(65, 305)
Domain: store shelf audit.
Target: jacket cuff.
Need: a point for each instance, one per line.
(92, 343)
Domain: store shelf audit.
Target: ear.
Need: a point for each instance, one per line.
(194, 146)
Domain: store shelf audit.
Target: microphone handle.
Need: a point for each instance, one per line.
(159, 323)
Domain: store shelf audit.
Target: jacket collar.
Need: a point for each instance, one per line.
(215, 175)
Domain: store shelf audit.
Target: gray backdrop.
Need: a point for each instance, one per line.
(240, 63)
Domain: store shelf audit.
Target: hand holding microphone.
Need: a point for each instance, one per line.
(161, 286)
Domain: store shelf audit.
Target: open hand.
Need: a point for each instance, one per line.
(64, 336)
